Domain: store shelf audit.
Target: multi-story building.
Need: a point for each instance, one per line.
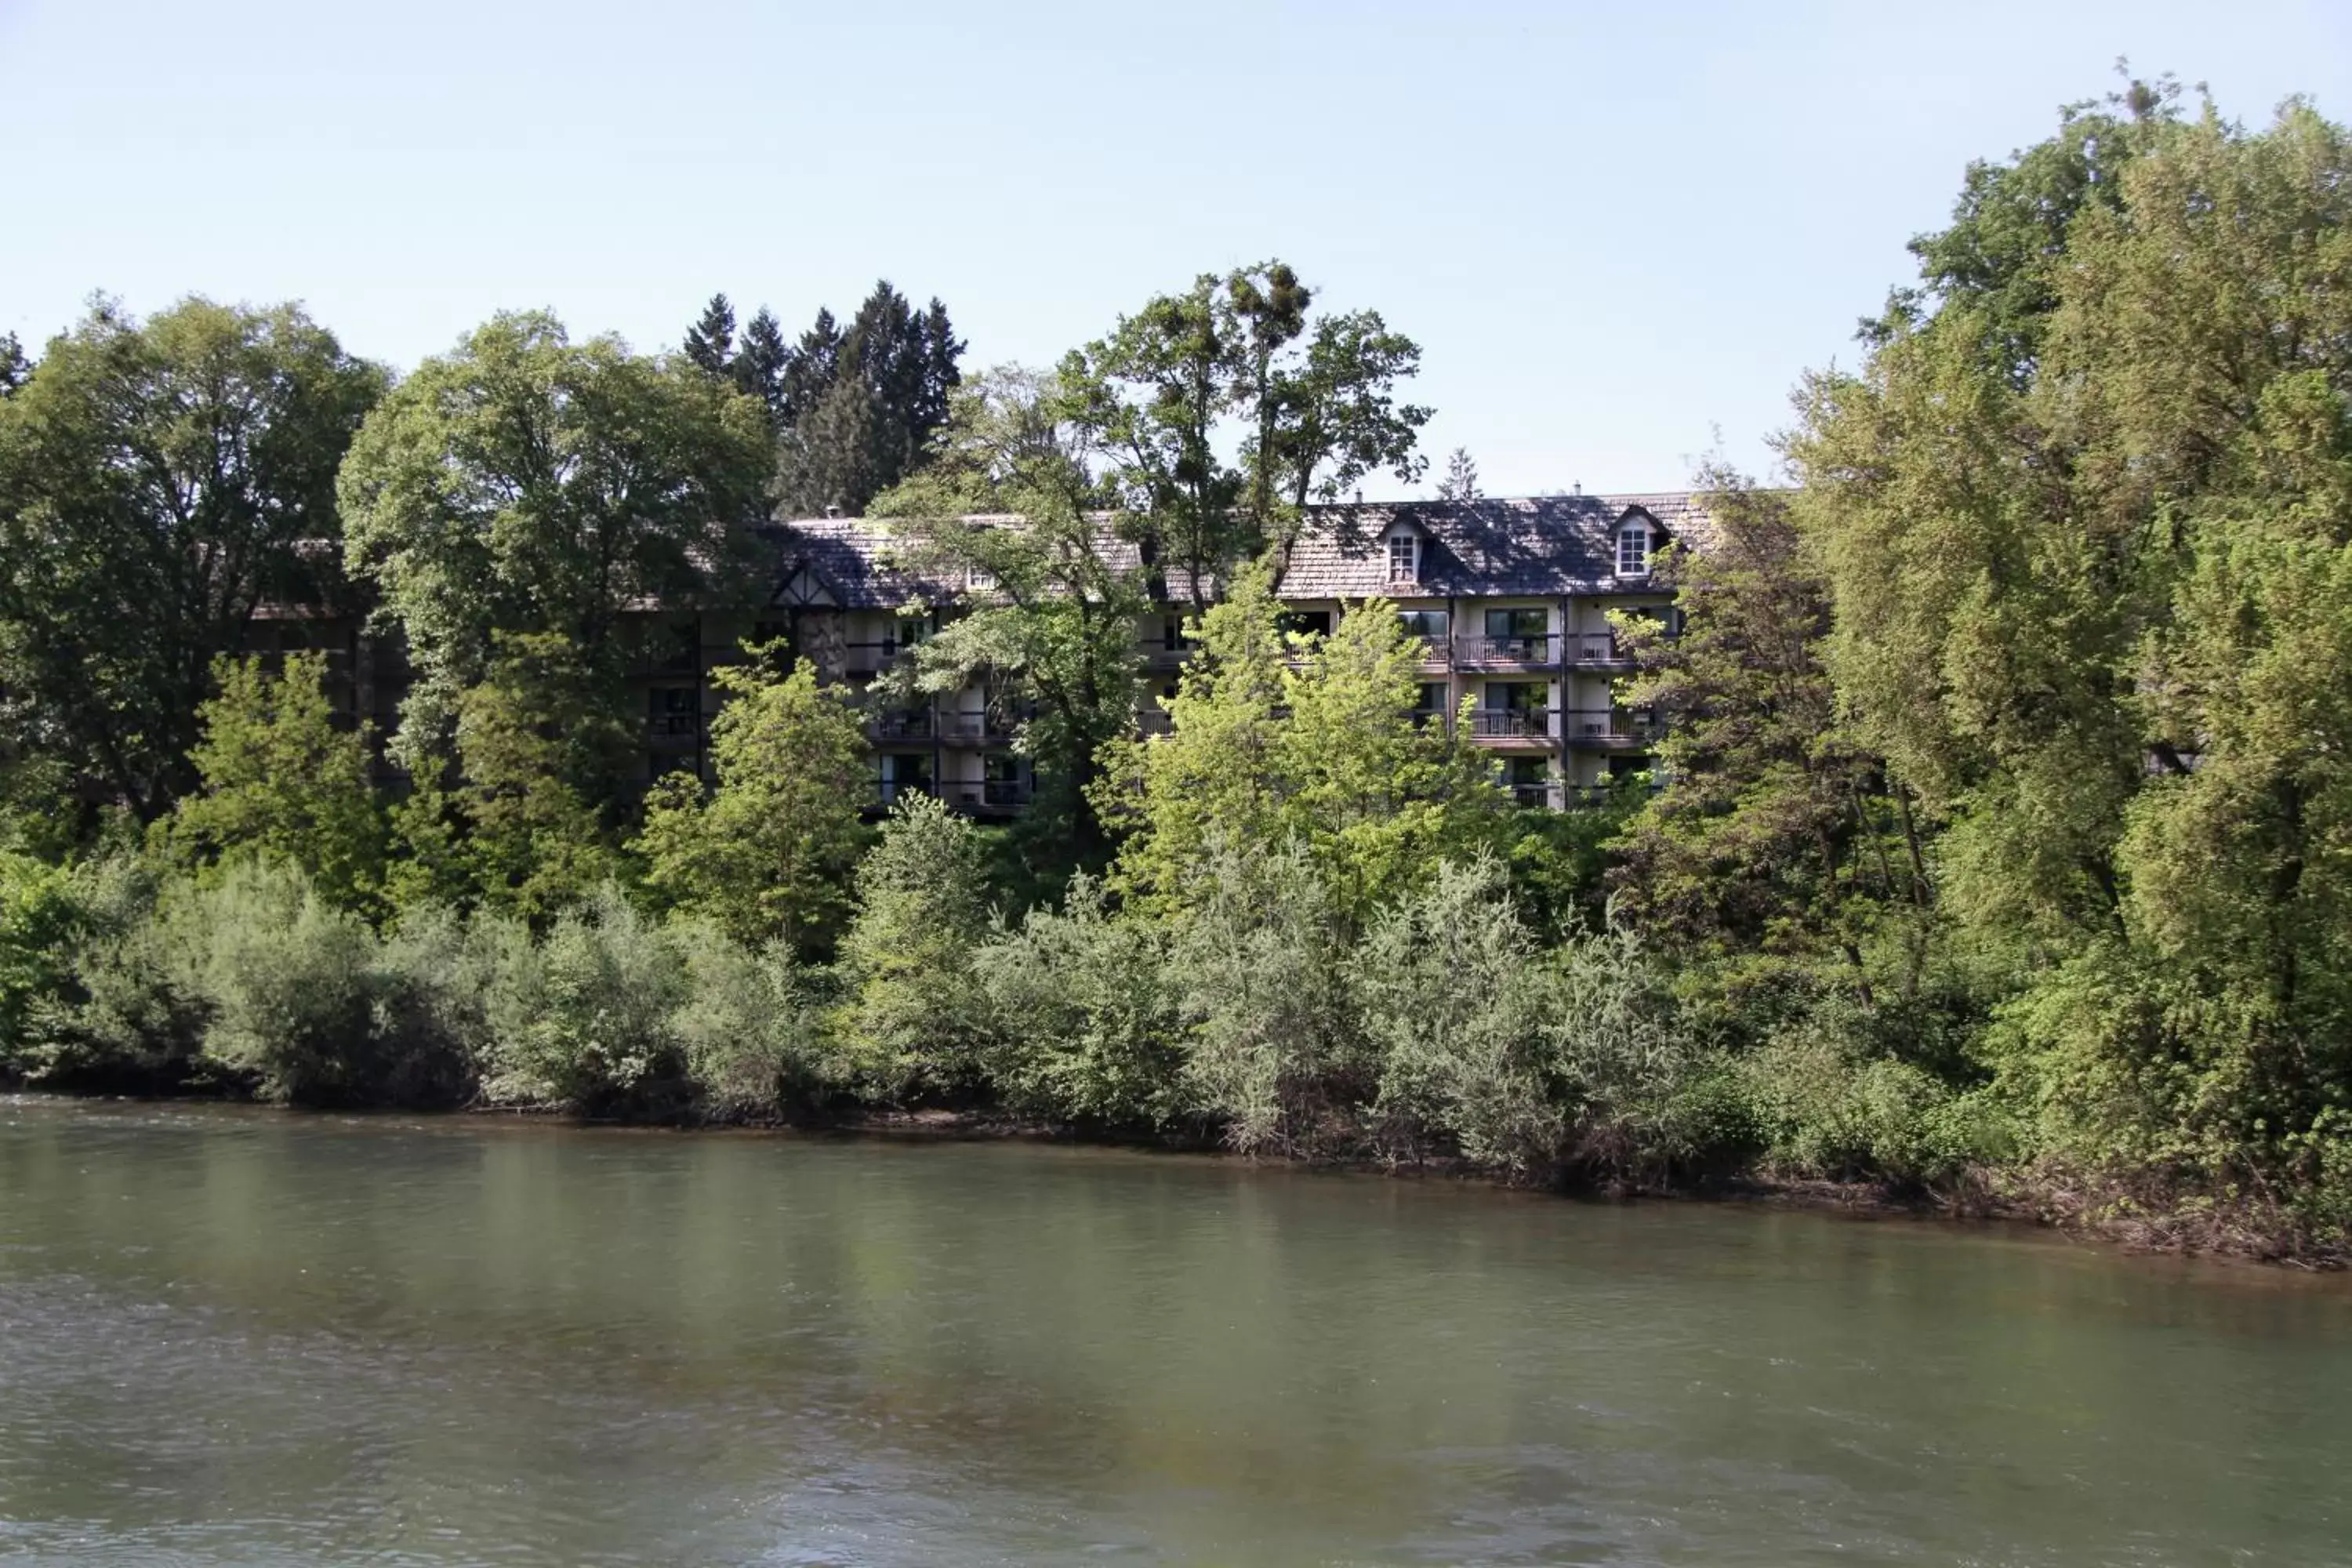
(1510, 600)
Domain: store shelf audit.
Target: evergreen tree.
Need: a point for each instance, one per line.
(1461, 481)
(14, 366)
(860, 407)
(759, 365)
(710, 342)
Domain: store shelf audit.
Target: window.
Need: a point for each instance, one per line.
(1430, 626)
(1306, 623)
(1516, 623)
(1404, 558)
(1633, 550)
(1429, 704)
(1172, 638)
(979, 579)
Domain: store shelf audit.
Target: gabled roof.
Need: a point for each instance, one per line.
(1535, 547)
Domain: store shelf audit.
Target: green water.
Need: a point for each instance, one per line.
(232, 1336)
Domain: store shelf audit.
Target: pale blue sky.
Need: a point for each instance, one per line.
(1614, 230)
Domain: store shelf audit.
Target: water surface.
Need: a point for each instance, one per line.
(240, 1337)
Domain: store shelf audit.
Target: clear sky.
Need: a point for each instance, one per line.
(1616, 230)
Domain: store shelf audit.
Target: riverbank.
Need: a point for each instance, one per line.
(2080, 1212)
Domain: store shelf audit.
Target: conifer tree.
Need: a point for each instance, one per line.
(710, 342)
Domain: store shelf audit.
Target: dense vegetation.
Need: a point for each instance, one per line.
(2003, 845)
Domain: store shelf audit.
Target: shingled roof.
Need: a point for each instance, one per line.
(1536, 547)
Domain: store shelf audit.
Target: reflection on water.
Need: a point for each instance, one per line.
(233, 1336)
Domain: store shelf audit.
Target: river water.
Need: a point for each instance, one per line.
(234, 1336)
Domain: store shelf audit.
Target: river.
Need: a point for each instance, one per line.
(234, 1336)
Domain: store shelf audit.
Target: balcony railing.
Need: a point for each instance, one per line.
(1511, 724)
(1618, 726)
(1534, 647)
(908, 725)
(981, 726)
(1597, 648)
(1530, 796)
(1156, 722)
(675, 726)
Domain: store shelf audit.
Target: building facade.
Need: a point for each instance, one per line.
(1510, 600)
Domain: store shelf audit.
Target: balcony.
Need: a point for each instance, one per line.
(914, 724)
(673, 729)
(1530, 796)
(871, 658)
(977, 729)
(985, 795)
(1511, 724)
(1615, 728)
(1534, 649)
(1155, 721)
(1598, 650)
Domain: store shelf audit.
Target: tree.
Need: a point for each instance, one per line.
(14, 368)
(710, 342)
(922, 914)
(526, 484)
(765, 852)
(537, 753)
(1055, 634)
(282, 779)
(1311, 740)
(759, 367)
(1461, 481)
(858, 407)
(160, 483)
(1773, 837)
(1154, 391)
(1168, 384)
(2082, 514)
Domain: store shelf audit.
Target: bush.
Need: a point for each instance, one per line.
(751, 1028)
(1274, 1051)
(285, 980)
(1832, 1103)
(1454, 1001)
(38, 917)
(430, 1005)
(583, 1020)
(911, 1018)
(1083, 1015)
(126, 1013)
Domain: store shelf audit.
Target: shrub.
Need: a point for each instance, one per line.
(910, 1021)
(285, 981)
(1083, 1018)
(127, 1011)
(1273, 1052)
(583, 1020)
(750, 1026)
(430, 1005)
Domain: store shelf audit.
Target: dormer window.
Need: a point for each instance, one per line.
(1404, 558)
(979, 579)
(1633, 550)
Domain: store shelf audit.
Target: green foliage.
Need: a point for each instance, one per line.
(765, 853)
(752, 1028)
(858, 408)
(40, 916)
(583, 1019)
(1053, 637)
(284, 979)
(908, 1015)
(1083, 1015)
(2086, 528)
(1315, 741)
(282, 780)
(1779, 834)
(160, 482)
(527, 485)
(534, 745)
